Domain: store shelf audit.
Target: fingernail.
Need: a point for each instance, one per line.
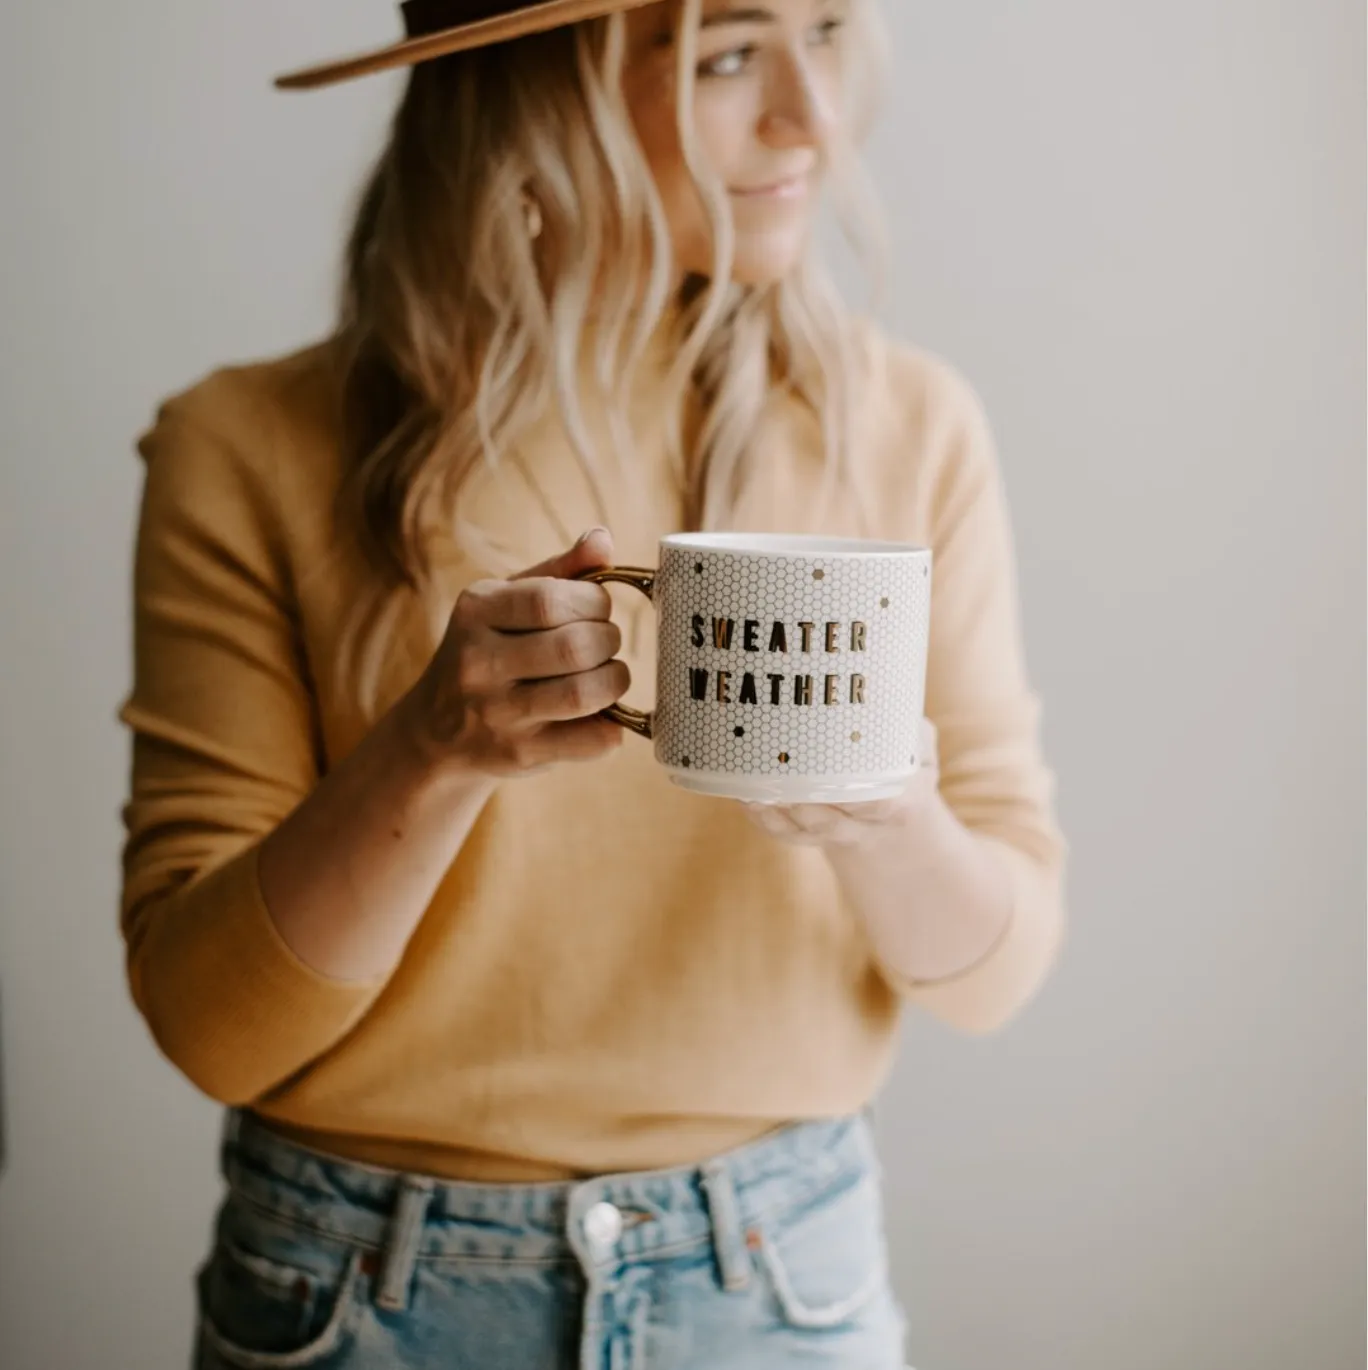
(584, 537)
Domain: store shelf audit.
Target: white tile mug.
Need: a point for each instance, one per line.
(791, 669)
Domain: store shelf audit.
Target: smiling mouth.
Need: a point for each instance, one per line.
(791, 188)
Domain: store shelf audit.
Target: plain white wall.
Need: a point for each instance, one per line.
(1139, 228)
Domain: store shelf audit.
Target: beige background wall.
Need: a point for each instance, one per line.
(1139, 228)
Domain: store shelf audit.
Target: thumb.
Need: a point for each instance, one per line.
(593, 551)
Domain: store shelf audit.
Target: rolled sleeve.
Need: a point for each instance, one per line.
(225, 745)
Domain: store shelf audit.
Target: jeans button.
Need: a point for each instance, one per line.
(603, 1227)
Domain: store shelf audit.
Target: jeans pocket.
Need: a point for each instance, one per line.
(274, 1299)
(827, 1260)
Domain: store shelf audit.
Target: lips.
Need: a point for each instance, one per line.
(790, 188)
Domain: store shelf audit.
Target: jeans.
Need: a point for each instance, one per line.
(771, 1255)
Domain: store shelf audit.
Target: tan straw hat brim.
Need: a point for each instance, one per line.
(517, 23)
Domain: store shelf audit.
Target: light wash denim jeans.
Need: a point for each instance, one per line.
(772, 1255)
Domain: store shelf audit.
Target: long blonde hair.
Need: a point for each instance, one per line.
(460, 328)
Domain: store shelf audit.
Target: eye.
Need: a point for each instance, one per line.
(730, 63)
(825, 32)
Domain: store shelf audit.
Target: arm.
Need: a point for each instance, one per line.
(223, 750)
(349, 874)
(959, 883)
(265, 905)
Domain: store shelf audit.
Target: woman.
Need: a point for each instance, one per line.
(532, 1063)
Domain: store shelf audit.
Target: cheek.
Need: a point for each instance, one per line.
(770, 240)
(724, 119)
(830, 88)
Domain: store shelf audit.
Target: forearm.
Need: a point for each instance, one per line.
(260, 931)
(347, 877)
(966, 924)
(935, 899)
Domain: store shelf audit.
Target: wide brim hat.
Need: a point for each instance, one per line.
(436, 28)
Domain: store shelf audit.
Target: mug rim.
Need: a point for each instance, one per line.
(793, 545)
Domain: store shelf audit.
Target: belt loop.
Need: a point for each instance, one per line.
(729, 1242)
(228, 1138)
(232, 1126)
(401, 1243)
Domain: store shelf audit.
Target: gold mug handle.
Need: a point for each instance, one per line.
(634, 720)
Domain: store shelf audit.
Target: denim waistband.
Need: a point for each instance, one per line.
(660, 1212)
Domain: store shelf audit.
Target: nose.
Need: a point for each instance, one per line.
(796, 113)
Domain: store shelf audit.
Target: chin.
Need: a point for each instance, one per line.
(768, 260)
(758, 259)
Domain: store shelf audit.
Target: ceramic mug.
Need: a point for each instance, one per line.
(791, 669)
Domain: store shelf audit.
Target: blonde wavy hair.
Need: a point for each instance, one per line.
(459, 327)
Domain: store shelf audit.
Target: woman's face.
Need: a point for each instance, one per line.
(767, 100)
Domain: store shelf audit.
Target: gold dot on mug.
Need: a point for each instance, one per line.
(819, 575)
(883, 604)
(783, 758)
(855, 737)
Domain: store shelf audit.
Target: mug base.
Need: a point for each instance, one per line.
(793, 789)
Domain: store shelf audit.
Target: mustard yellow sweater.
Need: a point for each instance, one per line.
(615, 974)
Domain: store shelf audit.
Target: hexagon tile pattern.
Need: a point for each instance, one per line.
(746, 689)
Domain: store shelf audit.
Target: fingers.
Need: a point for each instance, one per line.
(583, 739)
(874, 815)
(532, 604)
(537, 702)
(547, 595)
(830, 825)
(528, 664)
(779, 821)
(592, 551)
(570, 650)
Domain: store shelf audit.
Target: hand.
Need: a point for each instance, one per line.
(852, 825)
(525, 668)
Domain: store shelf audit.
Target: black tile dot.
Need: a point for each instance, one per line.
(883, 603)
(740, 732)
(698, 568)
(686, 763)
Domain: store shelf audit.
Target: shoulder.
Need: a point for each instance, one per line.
(265, 416)
(260, 439)
(922, 429)
(914, 387)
